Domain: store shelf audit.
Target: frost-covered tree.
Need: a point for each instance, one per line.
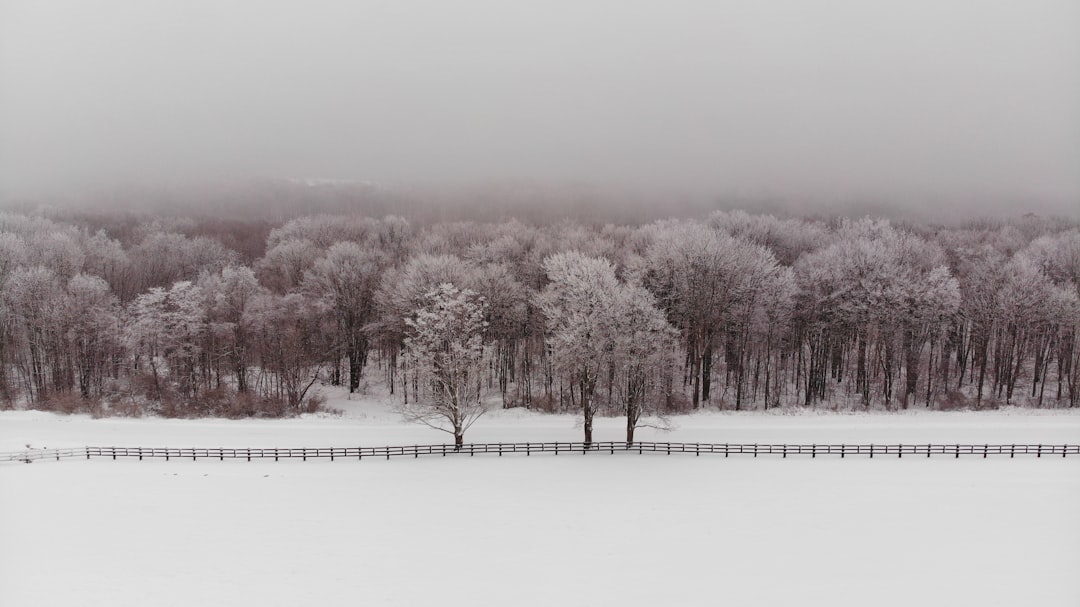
(106, 258)
(580, 307)
(707, 282)
(93, 327)
(880, 294)
(229, 294)
(346, 278)
(164, 258)
(1057, 331)
(291, 334)
(507, 316)
(402, 291)
(283, 267)
(770, 311)
(643, 354)
(34, 298)
(166, 329)
(445, 347)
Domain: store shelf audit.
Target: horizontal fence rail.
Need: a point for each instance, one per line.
(555, 448)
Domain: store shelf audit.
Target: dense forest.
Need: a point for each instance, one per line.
(124, 314)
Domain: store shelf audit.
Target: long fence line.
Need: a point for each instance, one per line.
(556, 448)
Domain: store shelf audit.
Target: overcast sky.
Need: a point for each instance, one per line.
(903, 100)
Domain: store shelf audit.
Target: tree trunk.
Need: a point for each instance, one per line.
(911, 365)
(706, 373)
(587, 413)
(355, 369)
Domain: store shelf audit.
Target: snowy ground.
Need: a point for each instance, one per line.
(570, 530)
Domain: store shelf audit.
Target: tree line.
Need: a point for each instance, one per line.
(735, 310)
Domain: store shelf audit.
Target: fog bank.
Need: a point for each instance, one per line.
(932, 103)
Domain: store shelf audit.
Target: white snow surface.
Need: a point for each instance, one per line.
(595, 529)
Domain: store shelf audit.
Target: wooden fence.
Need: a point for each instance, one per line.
(555, 448)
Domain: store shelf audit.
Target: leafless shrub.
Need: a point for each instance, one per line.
(68, 403)
(545, 403)
(954, 400)
(123, 408)
(170, 407)
(678, 403)
(313, 403)
(989, 404)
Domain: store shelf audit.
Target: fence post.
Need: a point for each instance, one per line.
(871, 450)
(1012, 451)
(140, 455)
(1038, 453)
(785, 451)
(957, 451)
(984, 450)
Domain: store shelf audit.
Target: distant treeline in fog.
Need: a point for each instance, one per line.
(190, 316)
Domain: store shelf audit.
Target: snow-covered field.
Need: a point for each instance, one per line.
(596, 529)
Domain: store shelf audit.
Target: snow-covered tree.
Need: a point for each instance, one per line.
(283, 267)
(403, 290)
(643, 355)
(346, 279)
(34, 299)
(166, 328)
(291, 333)
(445, 347)
(580, 305)
(707, 282)
(93, 330)
(229, 294)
